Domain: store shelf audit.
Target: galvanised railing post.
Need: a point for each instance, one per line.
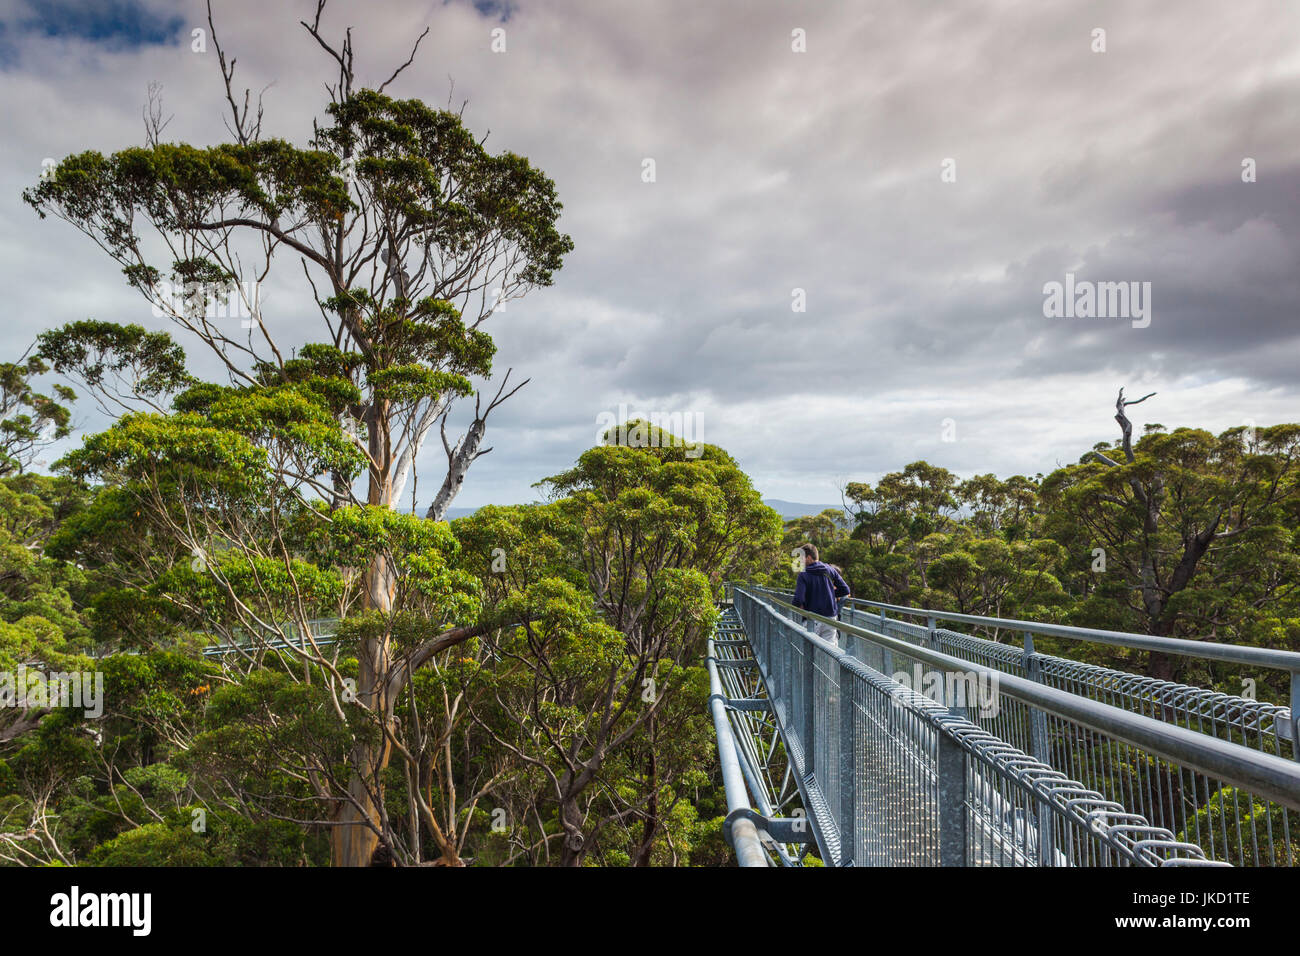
(947, 688)
(886, 654)
(950, 767)
(1295, 715)
(779, 656)
(808, 710)
(763, 626)
(848, 762)
(1037, 719)
(1039, 750)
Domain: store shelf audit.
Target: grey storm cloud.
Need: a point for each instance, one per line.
(777, 171)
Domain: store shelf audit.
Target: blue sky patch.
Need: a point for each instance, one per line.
(493, 9)
(117, 24)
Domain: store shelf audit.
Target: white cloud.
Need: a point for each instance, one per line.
(779, 170)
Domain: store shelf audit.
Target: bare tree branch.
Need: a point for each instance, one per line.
(397, 72)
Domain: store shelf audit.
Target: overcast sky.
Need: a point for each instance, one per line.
(775, 170)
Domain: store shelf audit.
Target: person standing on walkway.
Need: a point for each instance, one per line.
(819, 589)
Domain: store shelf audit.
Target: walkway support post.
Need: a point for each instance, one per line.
(953, 787)
(848, 764)
(1295, 715)
(1040, 749)
(808, 713)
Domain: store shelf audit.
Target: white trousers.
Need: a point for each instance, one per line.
(824, 631)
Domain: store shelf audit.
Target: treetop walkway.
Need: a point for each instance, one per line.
(913, 744)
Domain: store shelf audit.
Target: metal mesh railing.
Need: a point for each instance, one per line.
(287, 635)
(1231, 823)
(1252, 723)
(892, 776)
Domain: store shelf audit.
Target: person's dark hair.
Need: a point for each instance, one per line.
(810, 550)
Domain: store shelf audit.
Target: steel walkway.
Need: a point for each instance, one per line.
(905, 745)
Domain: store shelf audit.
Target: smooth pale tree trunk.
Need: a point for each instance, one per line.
(354, 838)
(463, 456)
(402, 469)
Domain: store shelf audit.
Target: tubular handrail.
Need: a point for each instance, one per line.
(1207, 650)
(743, 833)
(1261, 773)
(323, 631)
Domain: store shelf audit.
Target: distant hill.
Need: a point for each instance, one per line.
(789, 510)
(452, 513)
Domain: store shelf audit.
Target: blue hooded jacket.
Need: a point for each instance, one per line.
(818, 589)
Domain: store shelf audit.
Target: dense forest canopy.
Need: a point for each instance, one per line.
(521, 686)
(549, 704)
(560, 718)
(1180, 533)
